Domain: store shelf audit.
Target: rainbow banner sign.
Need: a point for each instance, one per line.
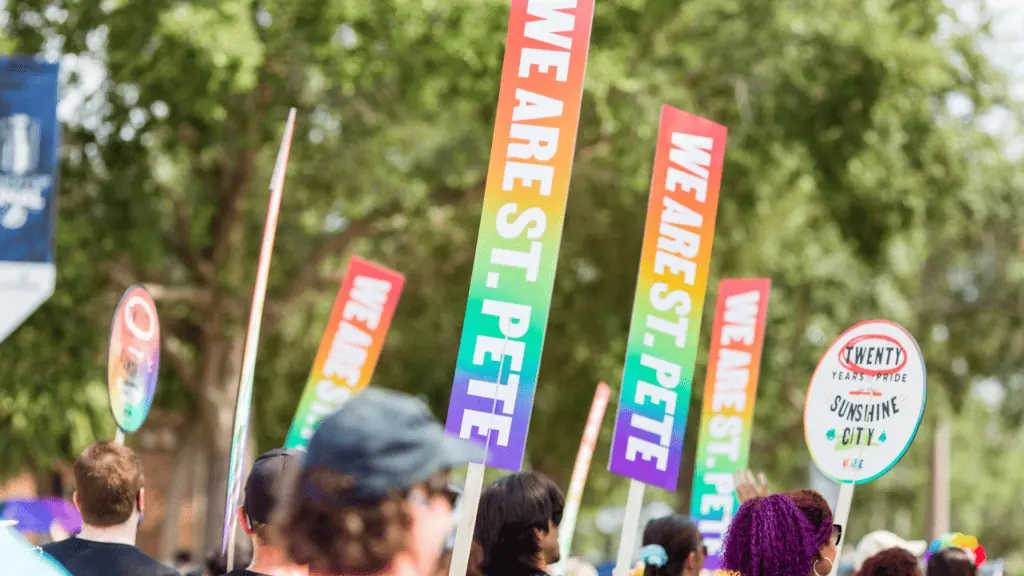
(350, 347)
(240, 428)
(662, 347)
(133, 360)
(520, 226)
(730, 390)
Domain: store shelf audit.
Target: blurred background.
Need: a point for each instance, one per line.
(873, 170)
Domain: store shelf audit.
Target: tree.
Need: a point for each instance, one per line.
(845, 181)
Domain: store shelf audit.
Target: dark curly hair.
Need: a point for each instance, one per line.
(319, 526)
(891, 562)
(815, 508)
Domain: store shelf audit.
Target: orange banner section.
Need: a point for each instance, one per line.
(351, 345)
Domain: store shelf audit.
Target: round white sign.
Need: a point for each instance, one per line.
(865, 402)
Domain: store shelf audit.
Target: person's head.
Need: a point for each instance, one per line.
(891, 562)
(680, 541)
(771, 536)
(108, 485)
(373, 489)
(269, 475)
(952, 561)
(874, 542)
(819, 514)
(517, 524)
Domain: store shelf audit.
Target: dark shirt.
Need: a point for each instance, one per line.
(244, 572)
(88, 558)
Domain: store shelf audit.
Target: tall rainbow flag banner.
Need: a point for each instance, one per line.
(661, 351)
(730, 390)
(580, 471)
(243, 405)
(520, 226)
(350, 347)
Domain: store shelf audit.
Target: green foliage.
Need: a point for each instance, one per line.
(846, 182)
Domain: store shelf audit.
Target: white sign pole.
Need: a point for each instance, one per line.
(469, 503)
(119, 437)
(630, 527)
(841, 518)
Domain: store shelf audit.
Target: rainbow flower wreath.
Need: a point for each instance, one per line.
(958, 540)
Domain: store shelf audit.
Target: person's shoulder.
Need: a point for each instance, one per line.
(58, 545)
(151, 567)
(158, 569)
(58, 549)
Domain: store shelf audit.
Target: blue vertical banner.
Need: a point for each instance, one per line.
(29, 160)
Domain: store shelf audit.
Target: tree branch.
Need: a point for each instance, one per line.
(195, 295)
(234, 183)
(178, 240)
(308, 276)
(175, 352)
(236, 180)
(956, 309)
(254, 13)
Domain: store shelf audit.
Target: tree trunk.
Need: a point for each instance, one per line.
(217, 479)
(221, 360)
(200, 500)
(180, 467)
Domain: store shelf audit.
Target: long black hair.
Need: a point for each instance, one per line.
(679, 536)
(510, 511)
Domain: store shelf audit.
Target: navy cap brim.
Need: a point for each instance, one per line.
(456, 452)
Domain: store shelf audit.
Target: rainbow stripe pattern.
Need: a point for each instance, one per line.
(581, 470)
(661, 350)
(244, 403)
(730, 389)
(350, 347)
(520, 226)
(133, 359)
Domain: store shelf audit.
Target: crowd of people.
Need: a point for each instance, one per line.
(372, 495)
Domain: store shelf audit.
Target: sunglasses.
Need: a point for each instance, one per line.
(837, 533)
(451, 495)
(441, 486)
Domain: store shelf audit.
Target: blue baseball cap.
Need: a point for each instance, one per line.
(386, 442)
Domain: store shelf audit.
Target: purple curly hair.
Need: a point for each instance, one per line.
(772, 537)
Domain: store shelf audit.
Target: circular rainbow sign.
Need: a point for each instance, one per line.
(865, 402)
(134, 358)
